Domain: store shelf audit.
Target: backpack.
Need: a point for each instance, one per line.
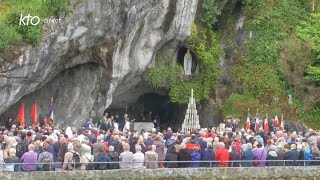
(151, 165)
(307, 156)
(89, 166)
(47, 161)
(21, 148)
(75, 160)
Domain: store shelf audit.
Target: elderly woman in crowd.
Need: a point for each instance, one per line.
(87, 158)
(138, 157)
(260, 156)
(70, 160)
(98, 144)
(125, 158)
(151, 157)
(12, 158)
(37, 147)
(222, 155)
(29, 159)
(272, 155)
(280, 154)
(159, 149)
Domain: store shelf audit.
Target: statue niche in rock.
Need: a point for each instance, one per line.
(187, 65)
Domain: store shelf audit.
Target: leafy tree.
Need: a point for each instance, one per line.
(309, 30)
(210, 12)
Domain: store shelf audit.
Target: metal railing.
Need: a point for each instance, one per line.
(215, 163)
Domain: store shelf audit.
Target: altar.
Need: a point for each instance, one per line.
(138, 126)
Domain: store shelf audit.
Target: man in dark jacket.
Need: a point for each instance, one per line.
(116, 144)
(184, 155)
(207, 155)
(9, 123)
(62, 149)
(22, 146)
(171, 156)
(114, 157)
(202, 143)
(293, 154)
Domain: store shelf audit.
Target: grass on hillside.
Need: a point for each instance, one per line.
(10, 11)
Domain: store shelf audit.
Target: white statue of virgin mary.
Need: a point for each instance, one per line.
(187, 63)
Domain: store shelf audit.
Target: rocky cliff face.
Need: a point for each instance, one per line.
(103, 47)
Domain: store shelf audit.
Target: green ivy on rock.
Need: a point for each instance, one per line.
(208, 51)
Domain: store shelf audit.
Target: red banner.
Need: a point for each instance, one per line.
(33, 114)
(21, 116)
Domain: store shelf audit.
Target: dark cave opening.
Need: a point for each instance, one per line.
(170, 113)
(155, 103)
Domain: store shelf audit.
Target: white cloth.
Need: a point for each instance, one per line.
(126, 127)
(116, 126)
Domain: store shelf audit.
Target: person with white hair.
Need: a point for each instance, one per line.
(114, 157)
(272, 155)
(77, 145)
(247, 154)
(222, 155)
(70, 159)
(281, 153)
(138, 157)
(29, 157)
(207, 155)
(125, 158)
(118, 147)
(87, 158)
(98, 144)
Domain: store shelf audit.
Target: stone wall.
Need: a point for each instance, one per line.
(189, 173)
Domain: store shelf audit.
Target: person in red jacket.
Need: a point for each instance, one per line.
(236, 142)
(222, 155)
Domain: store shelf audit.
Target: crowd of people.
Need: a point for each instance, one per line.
(102, 147)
